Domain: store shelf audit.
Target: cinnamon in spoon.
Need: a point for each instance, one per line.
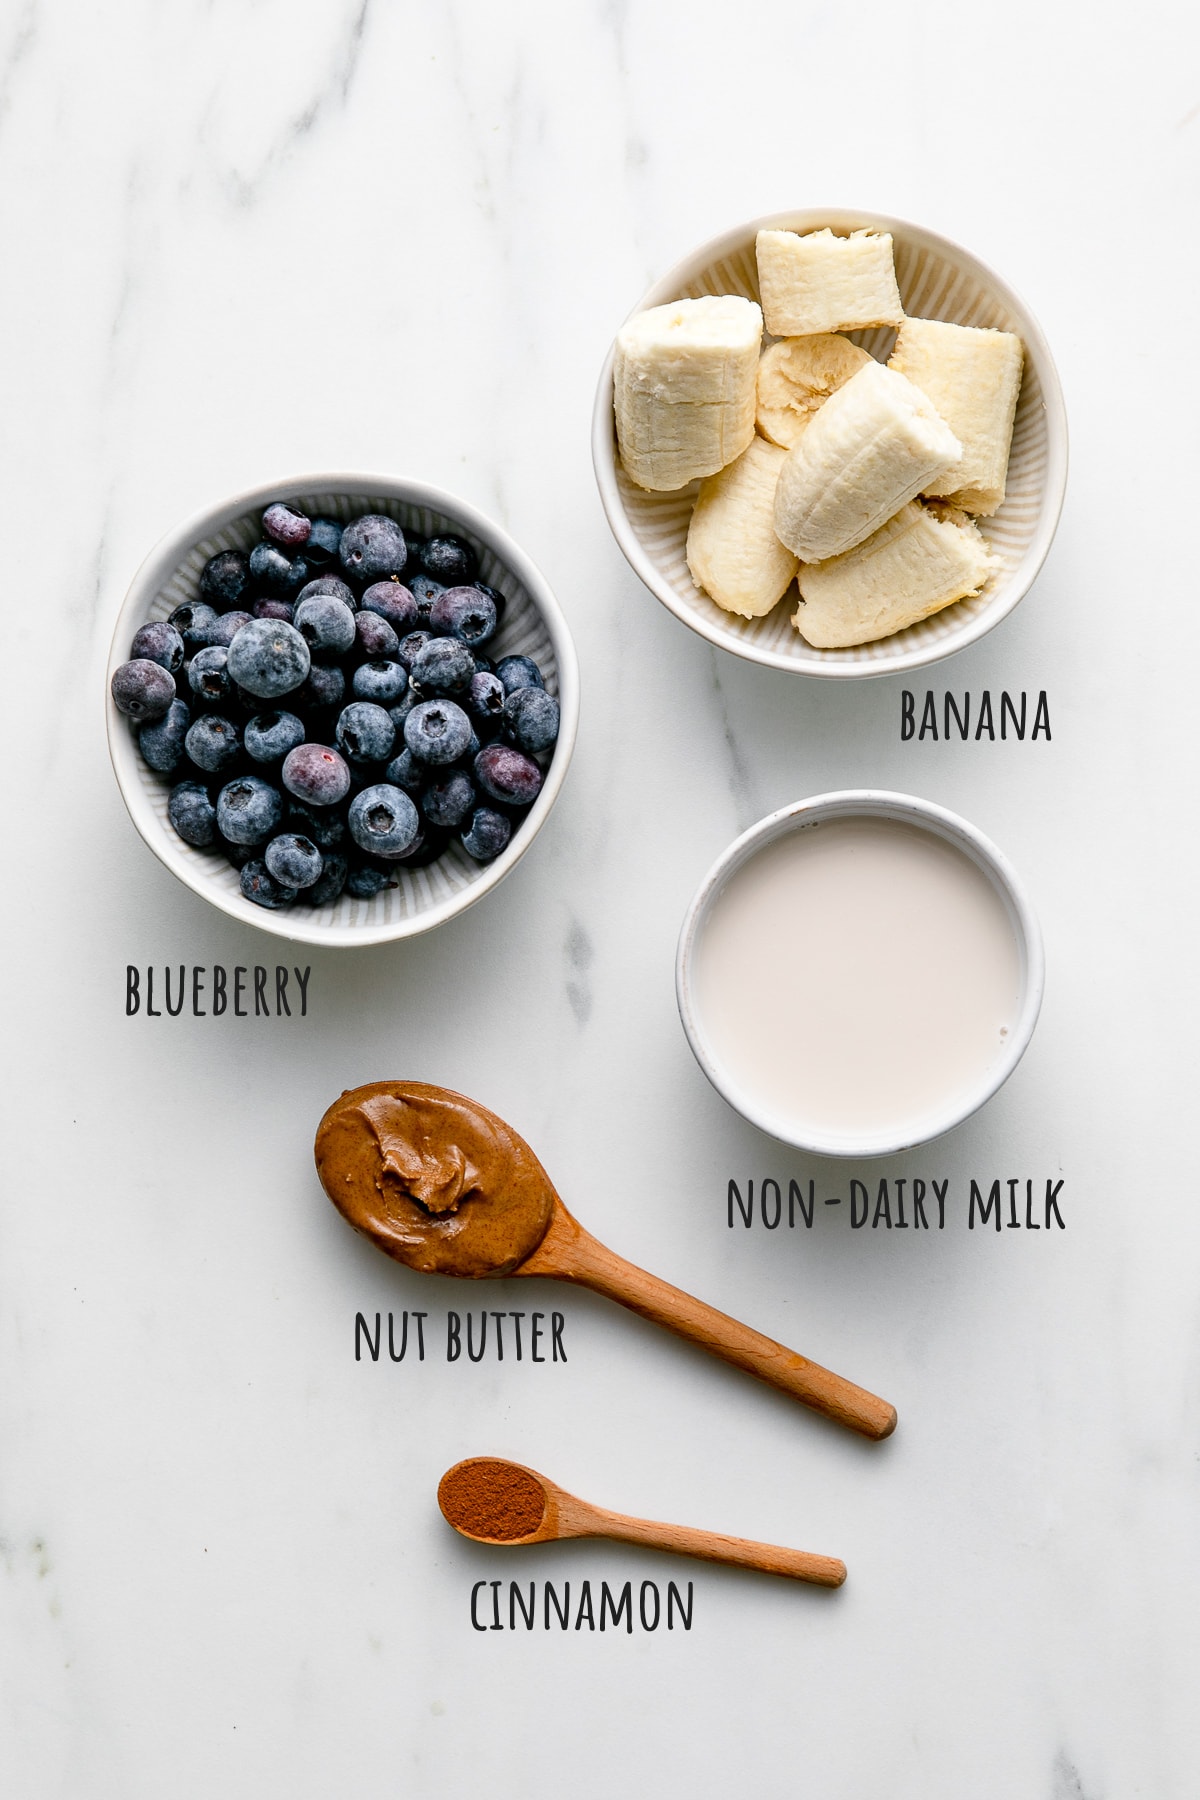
(499, 1502)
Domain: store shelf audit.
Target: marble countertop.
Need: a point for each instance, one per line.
(242, 241)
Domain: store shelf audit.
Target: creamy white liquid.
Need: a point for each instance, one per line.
(857, 976)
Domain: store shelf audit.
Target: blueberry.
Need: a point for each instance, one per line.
(213, 743)
(143, 690)
(225, 579)
(443, 666)
(328, 584)
(465, 613)
(158, 642)
(273, 609)
(404, 771)
(325, 623)
(364, 732)
(365, 879)
(259, 885)
(498, 600)
(448, 799)
(277, 572)
(286, 525)
(508, 775)
(325, 687)
(193, 814)
(323, 539)
(437, 732)
(162, 743)
(208, 675)
(236, 855)
(383, 820)
(270, 735)
(248, 810)
(268, 658)
(425, 590)
(373, 635)
(486, 835)
(531, 719)
(330, 882)
(372, 547)
(410, 647)
(327, 829)
(222, 634)
(380, 680)
(193, 621)
(425, 848)
(449, 560)
(400, 711)
(485, 703)
(293, 860)
(515, 672)
(316, 774)
(392, 602)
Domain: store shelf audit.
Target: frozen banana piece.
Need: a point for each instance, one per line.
(732, 550)
(875, 444)
(796, 376)
(684, 386)
(921, 560)
(973, 377)
(820, 282)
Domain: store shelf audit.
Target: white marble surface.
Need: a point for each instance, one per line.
(243, 240)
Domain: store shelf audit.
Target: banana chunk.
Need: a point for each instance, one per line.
(683, 388)
(820, 282)
(921, 560)
(796, 376)
(972, 377)
(732, 550)
(874, 444)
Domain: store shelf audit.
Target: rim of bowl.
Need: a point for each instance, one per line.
(878, 803)
(160, 565)
(604, 447)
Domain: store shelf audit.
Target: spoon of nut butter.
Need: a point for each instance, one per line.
(496, 1502)
(443, 1185)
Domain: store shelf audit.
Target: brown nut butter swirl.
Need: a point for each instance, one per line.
(434, 1179)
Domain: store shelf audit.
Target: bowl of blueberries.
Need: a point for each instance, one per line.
(341, 707)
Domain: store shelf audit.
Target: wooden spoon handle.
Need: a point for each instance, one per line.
(685, 1540)
(571, 1254)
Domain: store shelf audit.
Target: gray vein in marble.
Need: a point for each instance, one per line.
(616, 13)
(741, 784)
(580, 954)
(1067, 1783)
(344, 61)
(24, 38)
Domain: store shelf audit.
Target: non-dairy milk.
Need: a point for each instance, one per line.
(858, 976)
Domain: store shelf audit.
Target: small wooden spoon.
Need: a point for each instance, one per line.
(493, 1501)
(440, 1183)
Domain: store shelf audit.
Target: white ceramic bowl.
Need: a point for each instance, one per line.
(938, 280)
(856, 804)
(533, 625)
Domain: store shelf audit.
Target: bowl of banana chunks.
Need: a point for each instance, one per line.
(834, 443)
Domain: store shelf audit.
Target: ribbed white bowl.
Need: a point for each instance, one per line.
(938, 280)
(533, 626)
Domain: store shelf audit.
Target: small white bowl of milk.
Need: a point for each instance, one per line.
(859, 972)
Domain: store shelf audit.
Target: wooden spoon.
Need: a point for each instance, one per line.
(443, 1185)
(493, 1501)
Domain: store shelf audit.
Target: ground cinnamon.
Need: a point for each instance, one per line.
(486, 1498)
